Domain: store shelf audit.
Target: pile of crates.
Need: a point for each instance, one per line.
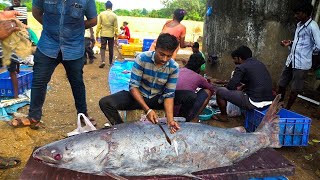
(133, 45)
(130, 47)
(24, 83)
(294, 128)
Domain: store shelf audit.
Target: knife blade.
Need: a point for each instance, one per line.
(167, 137)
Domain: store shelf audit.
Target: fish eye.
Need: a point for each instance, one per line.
(57, 157)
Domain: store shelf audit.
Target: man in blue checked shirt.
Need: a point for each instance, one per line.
(299, 61)
(152, 86)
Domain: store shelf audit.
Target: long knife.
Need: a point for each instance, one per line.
(167, 137)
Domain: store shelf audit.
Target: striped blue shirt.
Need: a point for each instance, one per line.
(151, 80)
(306, 39)
(14, 57)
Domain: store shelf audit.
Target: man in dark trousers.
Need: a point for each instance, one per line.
(250, 86)
(299, 61)
(152, 86)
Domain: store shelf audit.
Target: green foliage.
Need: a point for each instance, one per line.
(29, 5)
(195, 9)
(2, 6)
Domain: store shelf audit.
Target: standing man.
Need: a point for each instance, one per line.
(152, 86)
(7, 27)
(250, 86)
(107, 30)
(299, 61)
(89, 42)
(62, 41)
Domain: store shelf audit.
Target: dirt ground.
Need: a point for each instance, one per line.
(59, 117)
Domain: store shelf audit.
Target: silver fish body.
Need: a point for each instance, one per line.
(140, 148)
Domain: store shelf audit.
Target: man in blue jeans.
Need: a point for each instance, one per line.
(62, 41)
(152, 86)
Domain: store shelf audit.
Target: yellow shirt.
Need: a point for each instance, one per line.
(107, 24)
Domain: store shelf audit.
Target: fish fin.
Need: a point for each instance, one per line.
(270, 123)
(192, 176)
(239, 129)
(114, 176)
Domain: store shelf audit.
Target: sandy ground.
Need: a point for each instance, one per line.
(59, 117)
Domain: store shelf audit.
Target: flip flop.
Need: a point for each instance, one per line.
(92, 120)
(24, 122)
(220, 118)
(6, 163)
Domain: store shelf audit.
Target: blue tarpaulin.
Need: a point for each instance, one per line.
(119, 76)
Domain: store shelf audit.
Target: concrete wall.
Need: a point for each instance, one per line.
(258, 24)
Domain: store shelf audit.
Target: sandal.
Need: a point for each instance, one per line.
(91, 119)
(221, 118)
(6, 163)
(24, 122)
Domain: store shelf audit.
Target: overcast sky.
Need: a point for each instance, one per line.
(135, 4)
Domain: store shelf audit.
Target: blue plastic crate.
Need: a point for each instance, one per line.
(294, 128)
(270, 178)
(146, 44)
(123, 41)
(24, 83)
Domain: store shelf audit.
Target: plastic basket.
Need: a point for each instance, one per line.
(24, 83)
(206, 114)
(134, 40)
(294, 128)
(270, 178)
(146, 44)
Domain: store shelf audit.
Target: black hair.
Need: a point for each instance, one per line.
(304, 7)
(195, 45)
(167, 42)
(179, 14)
(195, 62)
(109, 5)
(242, 52)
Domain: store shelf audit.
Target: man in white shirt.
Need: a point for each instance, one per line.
(299, 61)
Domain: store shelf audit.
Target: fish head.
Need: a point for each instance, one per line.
(74, 153)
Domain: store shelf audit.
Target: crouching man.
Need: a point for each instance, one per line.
(250, 86)
(152, 86)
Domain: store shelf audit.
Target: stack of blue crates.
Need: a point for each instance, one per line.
(24, 83)
(294, 128)
(146, 44)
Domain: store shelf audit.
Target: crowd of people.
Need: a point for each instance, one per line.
(156, 81)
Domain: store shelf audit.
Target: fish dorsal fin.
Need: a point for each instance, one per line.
(192, 176)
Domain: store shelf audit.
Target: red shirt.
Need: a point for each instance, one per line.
(127, 32)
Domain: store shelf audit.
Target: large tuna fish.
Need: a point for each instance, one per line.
(140, 148)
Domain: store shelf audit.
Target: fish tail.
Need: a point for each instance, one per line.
(270, 123)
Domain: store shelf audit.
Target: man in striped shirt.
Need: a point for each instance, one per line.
(299, 61)
(7, 27)
(152, 86)
(22, 9)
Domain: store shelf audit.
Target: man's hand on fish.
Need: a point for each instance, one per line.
(152, 116)
(173, 126)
